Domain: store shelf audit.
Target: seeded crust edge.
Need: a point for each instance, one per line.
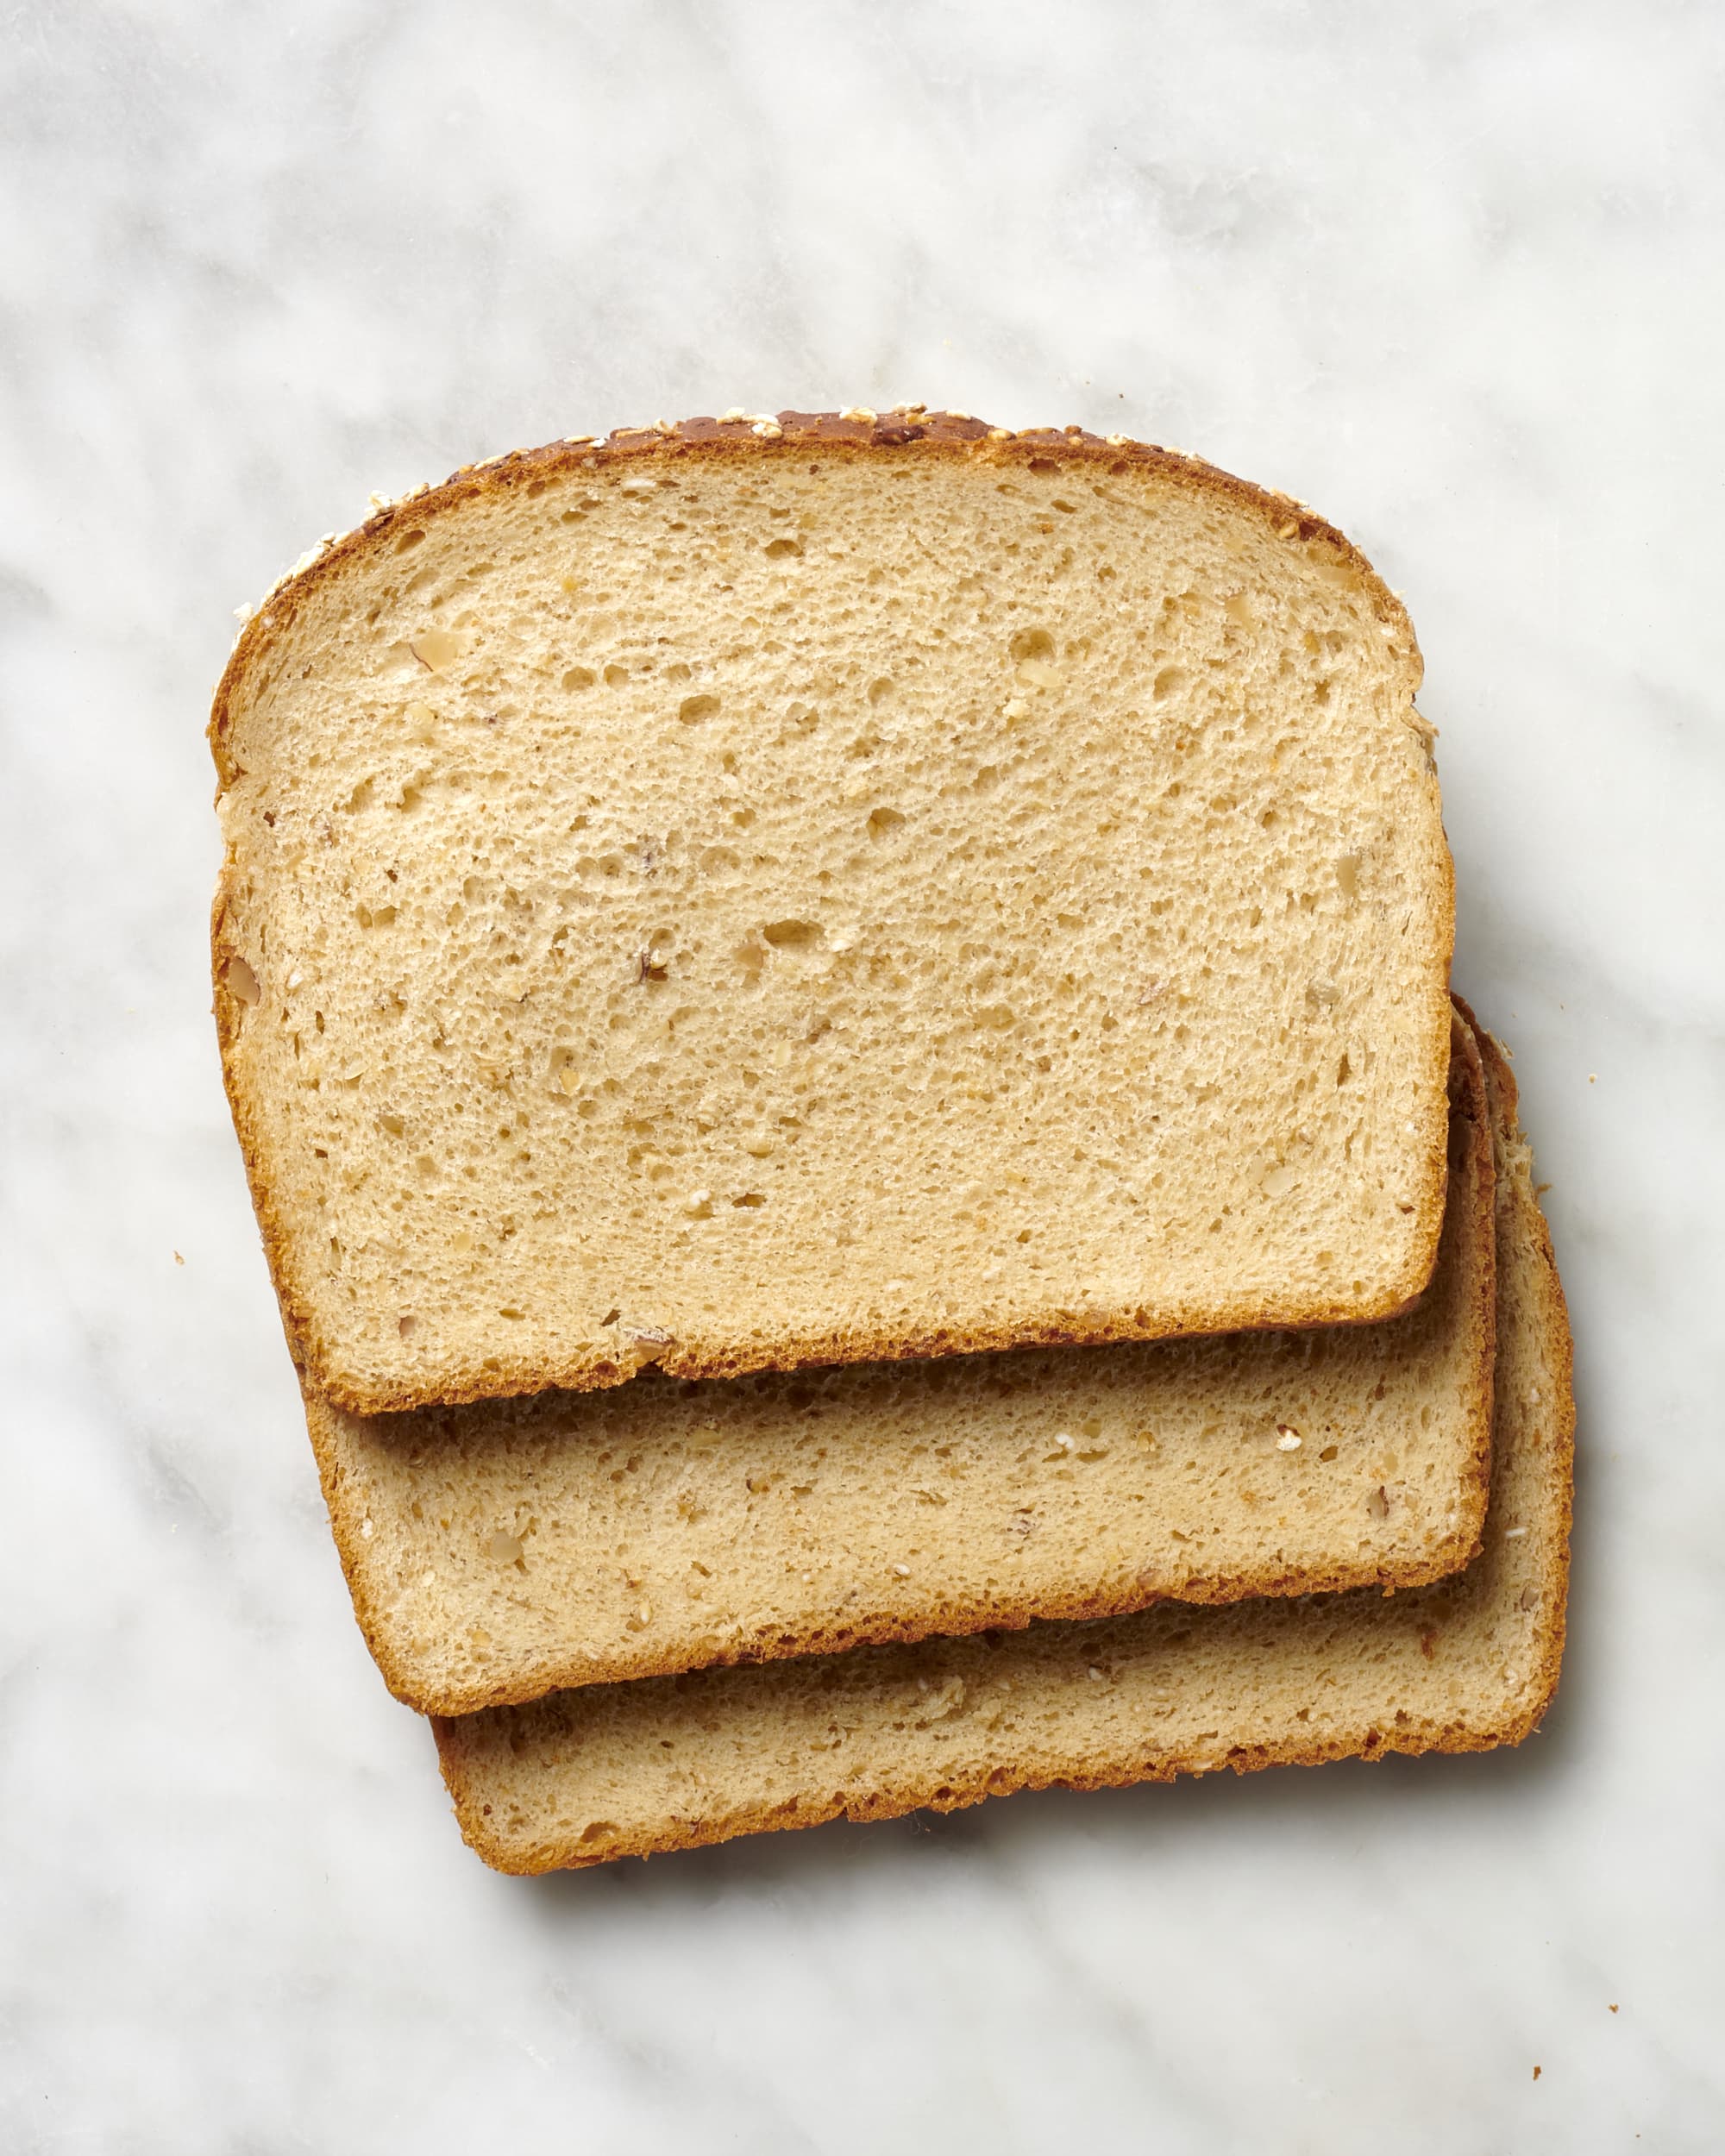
(1452, 1736)
(1453, 1551)
(908, 429)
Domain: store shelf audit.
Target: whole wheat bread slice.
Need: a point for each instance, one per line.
(1461, 1665)
(498, 1551)
(827, 889)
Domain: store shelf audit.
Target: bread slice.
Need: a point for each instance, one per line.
(496, 1552)
(754, 896)
(1461, 1665)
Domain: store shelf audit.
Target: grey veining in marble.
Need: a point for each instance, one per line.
(1452, 273)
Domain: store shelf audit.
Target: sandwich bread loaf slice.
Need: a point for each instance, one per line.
(1462, 1664)
(755, 894)
(505, 1550)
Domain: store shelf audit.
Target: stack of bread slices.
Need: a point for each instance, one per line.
(841, 1028)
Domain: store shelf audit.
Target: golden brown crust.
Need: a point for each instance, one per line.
(905, 431)
(634, 1656)
(1521, 1218)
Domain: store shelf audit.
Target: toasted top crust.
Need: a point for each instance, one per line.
(854, 432)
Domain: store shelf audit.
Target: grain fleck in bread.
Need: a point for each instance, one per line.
(1464, 1664)
(809, 891)
(497, 1552)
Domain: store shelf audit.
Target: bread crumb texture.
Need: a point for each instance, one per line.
(1464, 1664)
(498, 1551)
(740, 897)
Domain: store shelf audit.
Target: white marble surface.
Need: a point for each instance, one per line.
(1454, 274)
